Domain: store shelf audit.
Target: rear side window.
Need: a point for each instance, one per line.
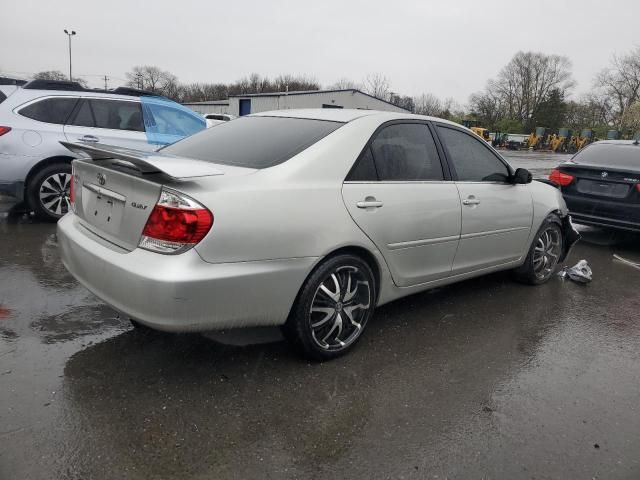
(117, 115)
(471, 159)
(400, 152)
(253, 142)
(50, 110)
(112, 114)
(3, 97)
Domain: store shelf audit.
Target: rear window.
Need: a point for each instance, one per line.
(50, 110)
(620, 155)
(253, 142)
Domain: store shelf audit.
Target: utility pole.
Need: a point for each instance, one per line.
(106, 79)
(70, 34)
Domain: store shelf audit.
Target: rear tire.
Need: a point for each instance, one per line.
(545, 250)
(332, 309)
(48, 191)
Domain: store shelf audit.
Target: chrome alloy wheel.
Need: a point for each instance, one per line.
(546, 252)
(54, 193)
(339, 310)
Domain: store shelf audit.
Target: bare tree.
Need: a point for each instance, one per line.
(428, 104)
(377, 85)
(153, 79)
(57, 75)
(631, 118)
(621, 82)
(346, 84)
(292, 83)
(526, 81)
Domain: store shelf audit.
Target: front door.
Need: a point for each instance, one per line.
(398, 195)
(496, 214)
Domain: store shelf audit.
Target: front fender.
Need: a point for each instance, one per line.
(570, 236)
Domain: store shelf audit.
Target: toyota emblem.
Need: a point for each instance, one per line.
(102, 179)
(604, 174)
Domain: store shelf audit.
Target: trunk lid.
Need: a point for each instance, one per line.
(116, 188)
(602, 182)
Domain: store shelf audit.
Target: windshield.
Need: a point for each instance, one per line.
(254, 142)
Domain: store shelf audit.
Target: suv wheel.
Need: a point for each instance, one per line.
(332, 308)
(48, 192)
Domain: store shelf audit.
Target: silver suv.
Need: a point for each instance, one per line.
(34, 119)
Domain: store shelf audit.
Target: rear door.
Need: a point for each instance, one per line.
(496, 214)
(400, 196)
(108, 121)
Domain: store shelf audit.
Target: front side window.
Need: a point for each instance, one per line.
(399, 152)
(471, 159)
(50, 110)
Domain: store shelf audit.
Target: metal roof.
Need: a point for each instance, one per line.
(312, 92)
(348, 114)
(208, 102)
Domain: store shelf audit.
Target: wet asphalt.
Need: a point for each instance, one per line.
(483, 379)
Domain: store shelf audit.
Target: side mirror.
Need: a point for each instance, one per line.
(522, 176)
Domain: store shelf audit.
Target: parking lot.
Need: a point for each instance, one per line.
(483, 379)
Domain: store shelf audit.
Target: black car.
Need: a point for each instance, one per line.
(601, 184)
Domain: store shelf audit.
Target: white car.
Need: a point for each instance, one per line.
(35, 118)
(214, 119)
(307, 219)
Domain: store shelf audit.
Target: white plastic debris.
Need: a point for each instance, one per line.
(580, 272)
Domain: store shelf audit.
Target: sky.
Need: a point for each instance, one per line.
(448, 48)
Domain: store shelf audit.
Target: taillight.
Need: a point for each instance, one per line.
(560, 178)
(176, 224)
(4, 130)
(638, 187)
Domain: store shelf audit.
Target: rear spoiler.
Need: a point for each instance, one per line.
(146, 162)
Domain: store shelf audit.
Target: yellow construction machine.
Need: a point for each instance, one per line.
(558, 143)
(481, 132)
(578, 142)
(536, 139)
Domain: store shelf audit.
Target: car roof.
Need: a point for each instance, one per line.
(32, 93)
(615, 142)
(347, 115)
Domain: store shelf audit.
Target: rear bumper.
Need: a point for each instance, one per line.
(181, 292)
(605, 222)
(603, 213)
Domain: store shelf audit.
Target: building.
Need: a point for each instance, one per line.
(239, 105)
(214, 106)
(348, 98)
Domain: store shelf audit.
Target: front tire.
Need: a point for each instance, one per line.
(332, 309)
(543, 256)
(48, 192)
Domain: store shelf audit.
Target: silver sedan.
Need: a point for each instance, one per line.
(307, 219)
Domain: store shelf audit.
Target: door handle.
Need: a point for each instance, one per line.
(471, 200)
(89, 138)
(369, 203)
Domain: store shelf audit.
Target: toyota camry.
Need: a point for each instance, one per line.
(307, 219)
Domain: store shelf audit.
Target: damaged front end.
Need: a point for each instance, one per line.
(570, 236)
